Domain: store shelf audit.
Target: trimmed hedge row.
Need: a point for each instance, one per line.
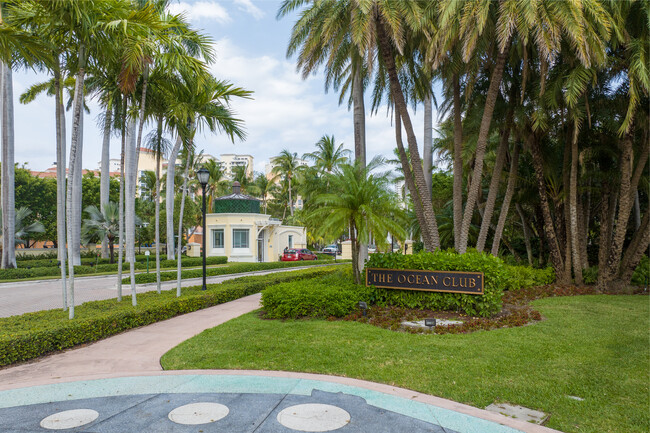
(36, 334)
(233, 268)
(334, 295)
(85, 269)
(497, 278)
(474, 305)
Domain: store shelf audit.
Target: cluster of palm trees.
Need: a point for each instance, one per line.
(533, 79)
(142, 64)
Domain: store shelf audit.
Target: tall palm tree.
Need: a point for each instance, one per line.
(200, 102)
(361, 202)
(286, 165)
(15, 43)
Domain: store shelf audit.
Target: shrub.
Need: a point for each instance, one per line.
(520, 277)
(641, 274)
(334, 295)
(322, 256)
(36, 334)
(494, 271)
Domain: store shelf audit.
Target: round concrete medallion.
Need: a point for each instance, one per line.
(69, 419)
(198, 413)
(314, 417)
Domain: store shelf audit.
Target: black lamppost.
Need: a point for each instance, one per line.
(203, 176)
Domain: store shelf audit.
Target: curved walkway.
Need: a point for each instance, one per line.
(118, 385)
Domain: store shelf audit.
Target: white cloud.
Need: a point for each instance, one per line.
(201, 10)
(287, 112)
(248, 7)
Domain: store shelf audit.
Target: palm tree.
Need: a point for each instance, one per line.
(216, 182)
(361, 202)
(264, 188)
(328, 156)
(199, 102)
(286, 165)
(22, 230)
(101, 224)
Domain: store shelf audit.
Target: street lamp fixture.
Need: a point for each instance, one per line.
(203, 176)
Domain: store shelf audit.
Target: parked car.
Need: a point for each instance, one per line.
(294, 255)
(332, 250)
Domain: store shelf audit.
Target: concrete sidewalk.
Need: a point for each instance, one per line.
(118, 384)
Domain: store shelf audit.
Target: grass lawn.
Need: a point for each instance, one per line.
(594, 347)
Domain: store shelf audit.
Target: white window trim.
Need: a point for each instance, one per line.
(240, 251)
(214, 250)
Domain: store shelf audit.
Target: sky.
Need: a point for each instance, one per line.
(285, 112)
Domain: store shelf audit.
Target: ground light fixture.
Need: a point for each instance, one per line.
(364, 308)
(146, 253)
(430, 323)
(203, 175)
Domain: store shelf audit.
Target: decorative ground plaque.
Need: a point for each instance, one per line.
(430, 281)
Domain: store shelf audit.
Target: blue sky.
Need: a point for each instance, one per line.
(286, 112)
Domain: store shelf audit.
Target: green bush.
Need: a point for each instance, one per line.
(520, 277)
(641, 275)
(322, 256)
(494, 271)
(233, 268)
(334, 295)
(36, 334)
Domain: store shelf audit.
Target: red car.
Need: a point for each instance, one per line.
(295, 255)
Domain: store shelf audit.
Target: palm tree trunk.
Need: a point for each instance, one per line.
(427, 151)
(74, 154)
(359, 117)
(635, 251)
(458, 164)
(8, 171)
(143, 102)
(157, 204)
(120, 246)
(180, 226)
(628, 186)
(105, 178)
(359, 120)
(494, 183)
(524, 224)
(481, 144)
(355, 251)
(431, 242)
(290, 198)
(77, 197)
(573, 208)
(549, 230)
(169, 197)
(60, 181)
(129, 205)
(408, 177)
(505, 207)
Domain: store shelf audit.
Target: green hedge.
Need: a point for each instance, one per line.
(521, 277)
(474, 305)
(232, 268)
(36, 334)
(88, 266)
(334, 295)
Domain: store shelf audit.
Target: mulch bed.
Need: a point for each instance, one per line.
(516, 311)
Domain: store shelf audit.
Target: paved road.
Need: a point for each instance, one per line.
(28, 296)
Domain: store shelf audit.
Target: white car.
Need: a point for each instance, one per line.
(331, 250)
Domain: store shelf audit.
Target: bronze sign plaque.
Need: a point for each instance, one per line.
(430, 281)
